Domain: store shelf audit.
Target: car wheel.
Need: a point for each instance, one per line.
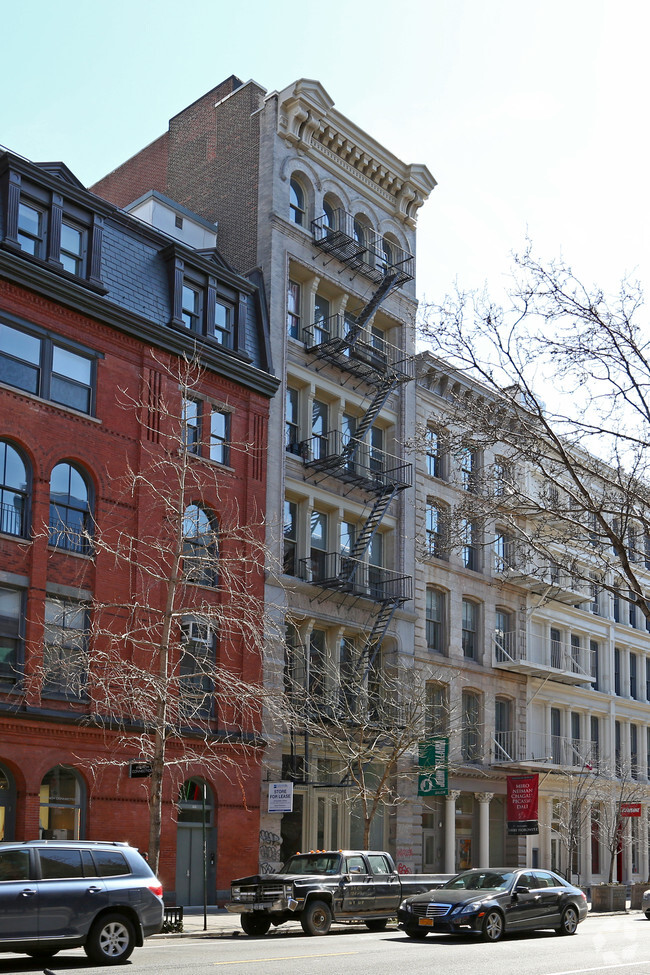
(111, 940)
(255, 926)
(493, 926)
(647, 914)
(417, 933)
(316, 918)
(378, 924)
(568, 921)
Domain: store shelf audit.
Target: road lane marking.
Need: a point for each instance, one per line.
(255, 961)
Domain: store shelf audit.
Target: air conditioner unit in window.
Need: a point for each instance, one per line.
(195, 631)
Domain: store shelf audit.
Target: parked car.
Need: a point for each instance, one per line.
(493, 902)
(645, 903)
(323, 886)
(58, 894)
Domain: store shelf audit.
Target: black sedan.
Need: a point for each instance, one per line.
(493, 901)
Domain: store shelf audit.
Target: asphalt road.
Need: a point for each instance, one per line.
(614, 944)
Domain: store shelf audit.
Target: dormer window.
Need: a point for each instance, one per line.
(51, 227)
(205, 302)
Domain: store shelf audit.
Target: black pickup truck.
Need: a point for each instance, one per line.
(324, 886)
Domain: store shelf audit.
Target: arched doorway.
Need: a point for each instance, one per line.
(62, 805)
(7, 804)
(196, 845)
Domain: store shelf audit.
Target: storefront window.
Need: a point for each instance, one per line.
(61, 804)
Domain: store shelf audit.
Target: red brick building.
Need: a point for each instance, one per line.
(100, 315)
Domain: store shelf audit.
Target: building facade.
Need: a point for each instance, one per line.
(126, 352)
(329, 216)
(539, 670)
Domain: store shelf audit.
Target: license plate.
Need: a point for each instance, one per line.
(425, 922)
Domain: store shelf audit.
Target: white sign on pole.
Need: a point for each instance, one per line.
(280, 796)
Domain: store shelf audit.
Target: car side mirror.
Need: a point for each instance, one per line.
(346, 878)
(521, 889)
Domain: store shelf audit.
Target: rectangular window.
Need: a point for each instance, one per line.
(617, 672)
(595, 663)
(292, 424)
(503, 636)
(632, 608)
(634, 751)
(470, 547)
(318, 545)
(618, 748)
(469, 635)
(595, 741)
(503, 478)
(503, 551)
(435, 531)
(434, 455)
(198, 658)
(556, 649)
(10, 618)
(191, 307)
(31, 230)
(322, 324)
(437, 709)
(219, 436)
(316, 663)
(290, 538)
(576, 756)
(40, 366)
(575, 653)
(469, 469)
(319, 429)
(64, 651)
(471, 730)
(435, 602)
(293, 310)
(503, 737)
(647, 679)
(222, 330)
(556, 736)
(634, 693)
(192, 424)
(73, 246)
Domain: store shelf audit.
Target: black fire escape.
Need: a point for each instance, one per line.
(346, 342)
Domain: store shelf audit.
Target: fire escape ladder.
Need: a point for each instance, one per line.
(371, 307)
(376, 636)
(372, 522)
(368, 418)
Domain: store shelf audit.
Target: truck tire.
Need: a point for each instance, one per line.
(255, 925)
(377, 924)
(316, 918)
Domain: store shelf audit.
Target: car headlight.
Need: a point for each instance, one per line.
(470, 908)
(235, 893)
(405, 906)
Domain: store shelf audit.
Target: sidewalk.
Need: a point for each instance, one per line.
(218, 923)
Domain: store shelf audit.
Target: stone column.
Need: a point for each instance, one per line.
(484, 799)
(450, 831)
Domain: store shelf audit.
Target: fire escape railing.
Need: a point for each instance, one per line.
(339, 340)
(355, 462)
(362, 249)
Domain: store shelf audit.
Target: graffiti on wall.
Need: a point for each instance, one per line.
(269, 851)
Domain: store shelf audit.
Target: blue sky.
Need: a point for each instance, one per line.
(531, 116)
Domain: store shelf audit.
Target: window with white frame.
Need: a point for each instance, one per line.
(434, 455)
(297, 209)
(470, 549)
(65, 646)
(219, 436)
(436, 530)
(293, 310)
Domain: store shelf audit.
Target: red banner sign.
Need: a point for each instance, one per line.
(522, 804)
(630, 809)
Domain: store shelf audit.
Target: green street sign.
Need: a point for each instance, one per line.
(433, 776)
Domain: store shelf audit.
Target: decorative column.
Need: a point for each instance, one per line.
(450, 831)
(484, 799)
(546, 803)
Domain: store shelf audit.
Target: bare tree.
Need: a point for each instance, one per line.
(366, 717)
(560, 404)
(172, 666)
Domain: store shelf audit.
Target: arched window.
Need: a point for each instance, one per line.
(61, 806)
(388, 259)
(195, 802)
(359, 232)
(70, 518)
(13, 491)
(329, 215)
(297, 203)
(200, 550)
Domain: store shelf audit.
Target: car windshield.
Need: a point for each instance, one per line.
(480, 880)
(318, 863)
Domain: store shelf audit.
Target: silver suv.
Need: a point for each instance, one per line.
(58, 894)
